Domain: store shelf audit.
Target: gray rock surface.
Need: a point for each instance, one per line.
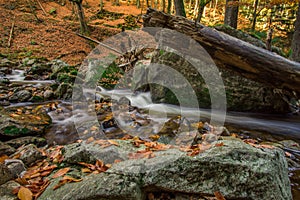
(6, 190)
(236, 169)
(29, 154)
(5, 174)
(20, 96)
(6, 149)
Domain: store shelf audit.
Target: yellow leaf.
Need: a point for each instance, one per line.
(24, 194)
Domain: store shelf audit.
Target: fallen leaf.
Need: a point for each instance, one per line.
(71, 179)
(61, 172)
(86, 170)
(113, 142)
(288, 154)
(266, 146)
(25, 194)
(219, 196)
(3, 158)
(219, 144)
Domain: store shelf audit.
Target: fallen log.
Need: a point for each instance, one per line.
(231, 53)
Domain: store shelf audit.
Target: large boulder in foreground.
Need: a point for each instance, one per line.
(234, 168)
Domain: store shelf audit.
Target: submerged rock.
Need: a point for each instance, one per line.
(236, 169)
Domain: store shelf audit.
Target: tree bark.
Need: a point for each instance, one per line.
(296, 39)
(228, 52)
(179, 8)
(231, 13)
(254, 15)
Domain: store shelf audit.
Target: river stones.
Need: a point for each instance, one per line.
(17, 122)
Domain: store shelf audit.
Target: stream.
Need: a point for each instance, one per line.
(262, 127)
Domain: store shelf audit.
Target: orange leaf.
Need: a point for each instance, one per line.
(3, 158)
(219, 144)
(113, 142)
(61, 183)
(288, 154)
(219, 196)
(61, 172)
(24, 194)
(267, 146)
(86, 170)
(71, 179)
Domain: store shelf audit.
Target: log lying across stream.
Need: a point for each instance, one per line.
(228, 52)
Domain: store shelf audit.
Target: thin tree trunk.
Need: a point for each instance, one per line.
(231, 13)
(163, 5)
(83, 25)
(254, 15)
(200, 13)
(169, 6)
(296, 39)
(179, 8)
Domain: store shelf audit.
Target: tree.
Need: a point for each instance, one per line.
(201, 6)
(179, 8)
(254, 15)
(83, 24)
(231, 13)
(296, 39)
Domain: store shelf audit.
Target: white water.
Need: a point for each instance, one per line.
(286, 125)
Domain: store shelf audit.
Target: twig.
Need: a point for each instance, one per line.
(102, 44)
(42, 7)
(11, 33)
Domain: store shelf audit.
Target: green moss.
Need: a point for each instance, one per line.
(15, 131)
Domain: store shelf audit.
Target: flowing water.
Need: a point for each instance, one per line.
(263, 127)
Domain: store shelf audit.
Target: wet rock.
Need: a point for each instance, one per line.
(236, 169)
(17, 122)
(39, 69)
(29, 61)
(6, 190)
(20, 96)
(64, 91)
(5, 174)
(48, 94)
(4, 81)
(6, 149)
(4, 103)
(58, 66)
(29, 154)
(242, 94)
(7, 65)
(17, 142)
(15, 166)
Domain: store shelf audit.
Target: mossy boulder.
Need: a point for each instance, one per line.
(241, 94)
(19, 122)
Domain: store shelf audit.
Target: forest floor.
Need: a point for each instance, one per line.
(55, 36)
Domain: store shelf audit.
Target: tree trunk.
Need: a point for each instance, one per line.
(169, 6)
(83, 25)
(245, 59)
(179, 8)
(231, 13)
(296, 39)
(254, 15)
